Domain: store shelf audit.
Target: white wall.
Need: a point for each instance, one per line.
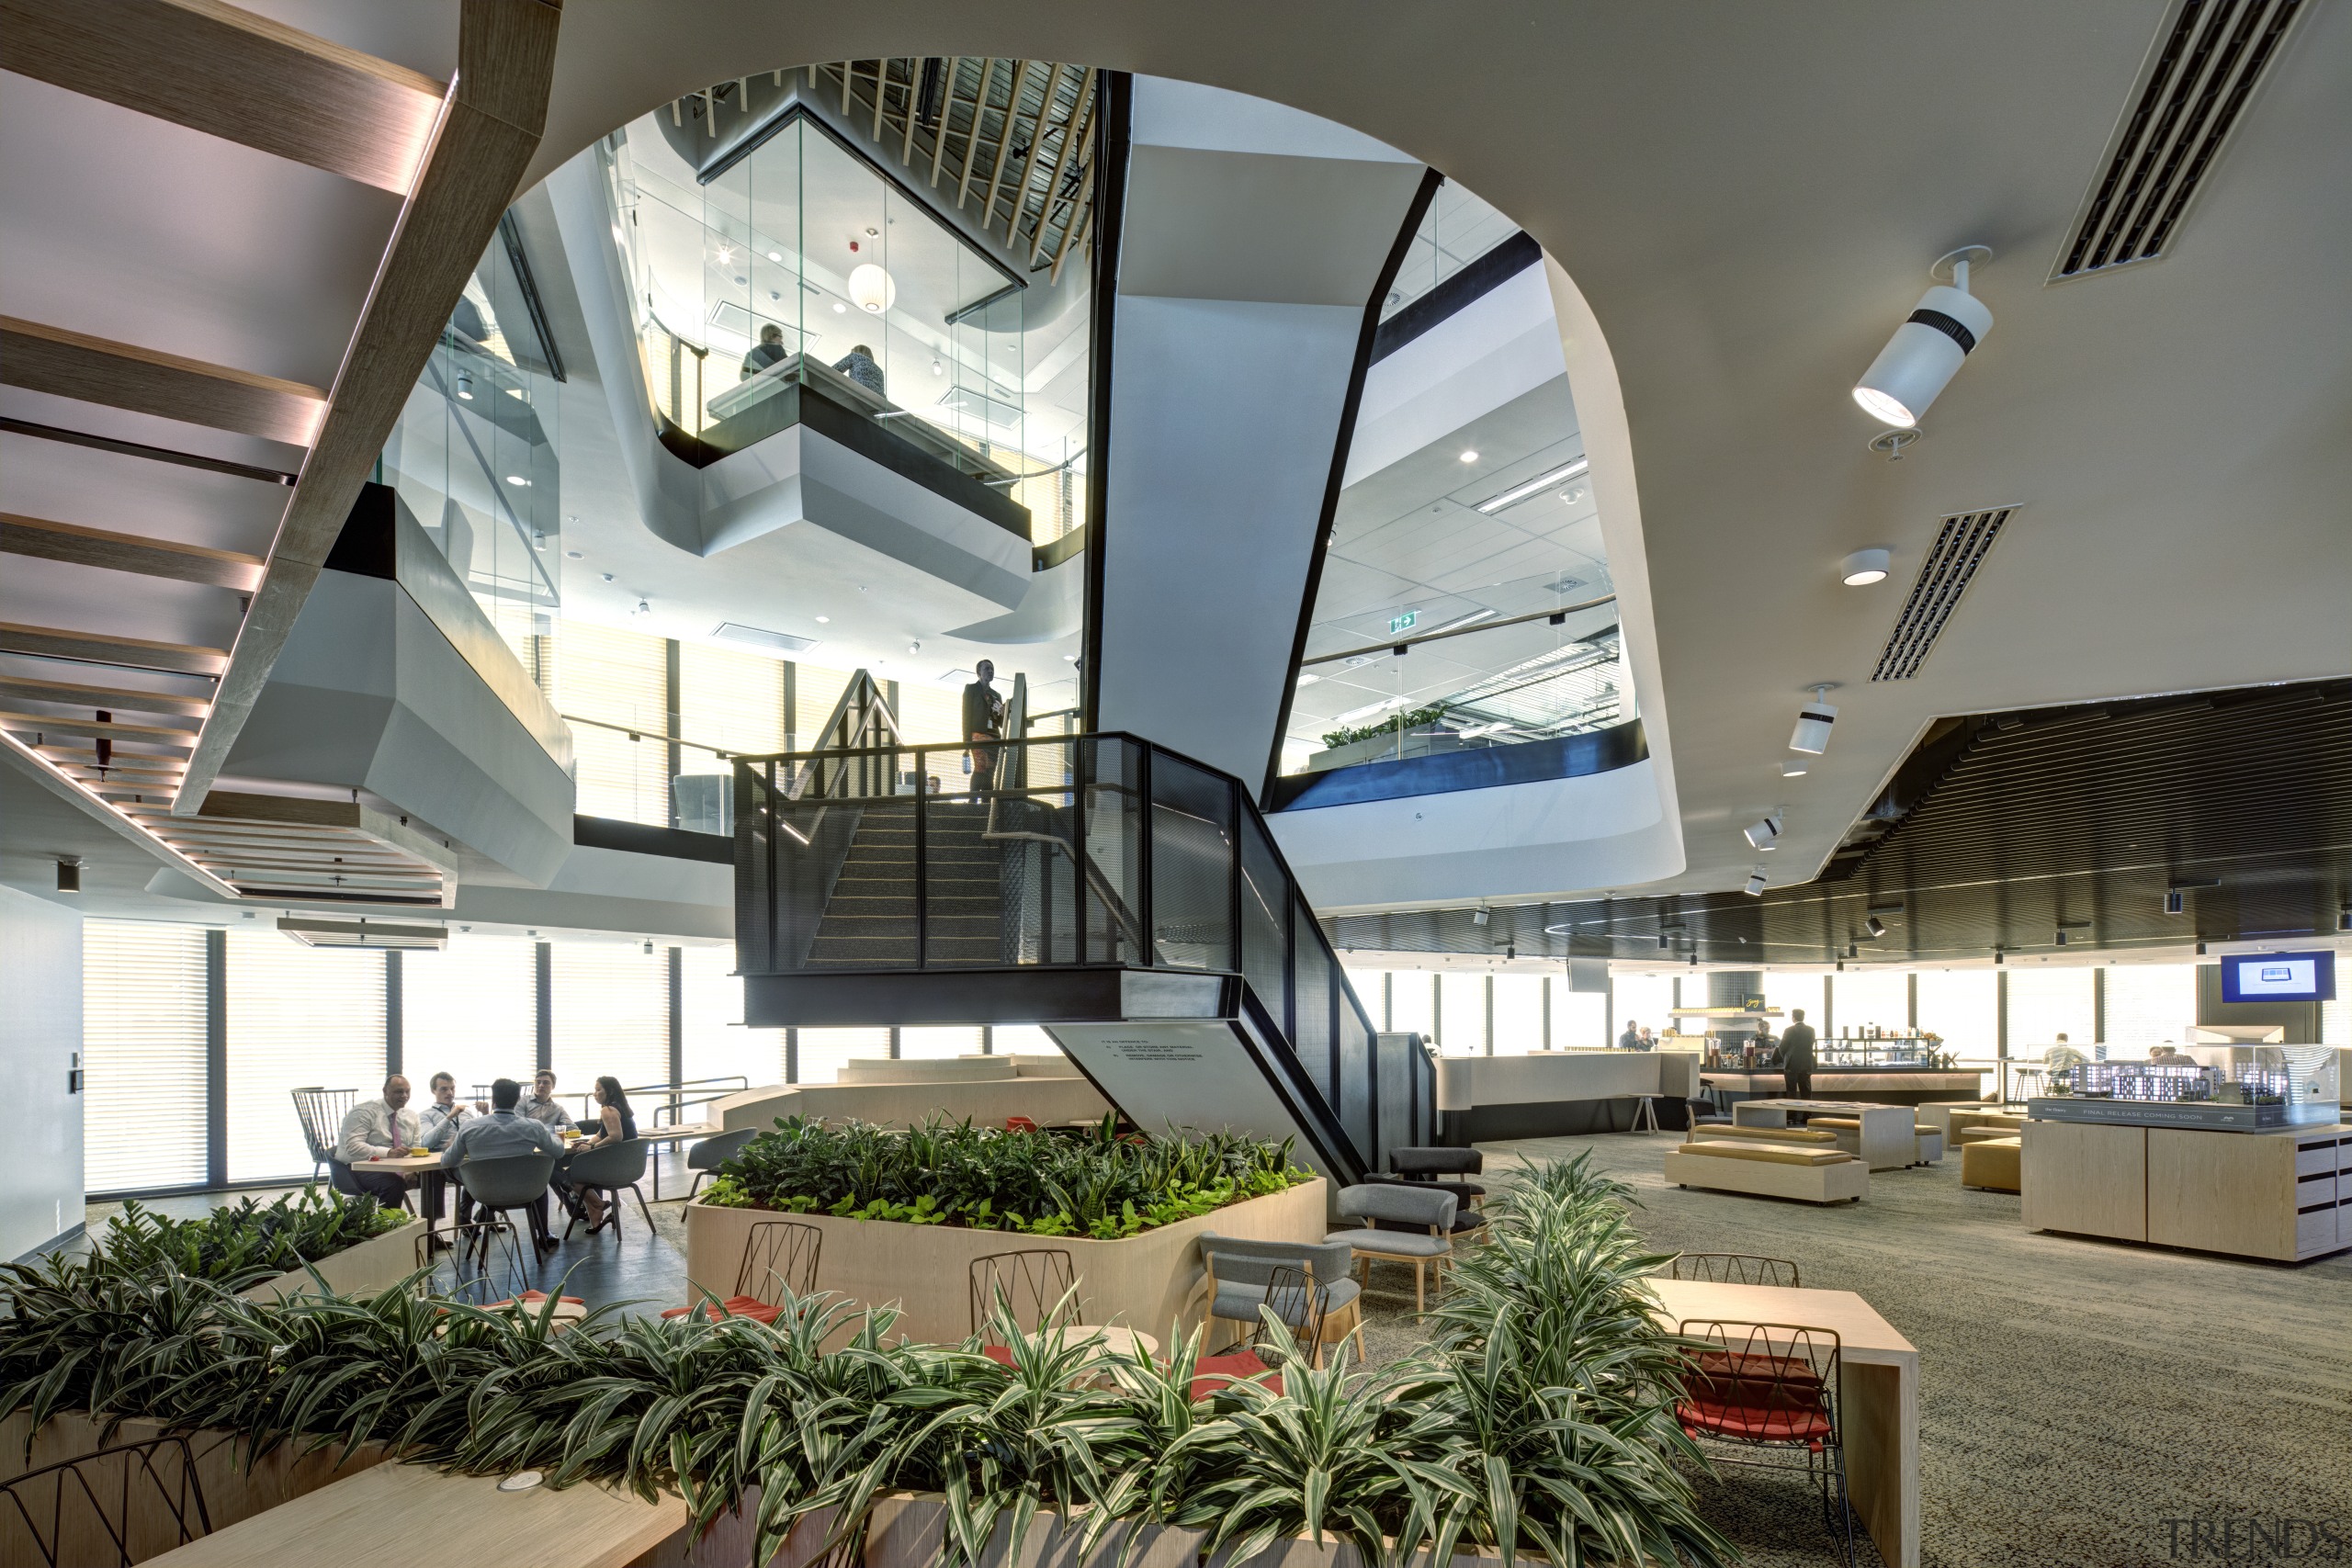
(41, 1042)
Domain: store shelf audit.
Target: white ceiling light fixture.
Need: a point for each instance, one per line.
(1865, 566)
(1764, 835)
(1926, 351)
(1308, 678)
(841, 308)
(1812, 733)
(1794, 768)
(1518, 494)
(1755, 888)
(775, 256)
(518, 481)
(466, 385)
(871, 289)
(1469, 454)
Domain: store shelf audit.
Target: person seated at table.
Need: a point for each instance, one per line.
(383, 1128)
(444, 1114)
(503, 1132)
(542, 1106)
(614, 1122)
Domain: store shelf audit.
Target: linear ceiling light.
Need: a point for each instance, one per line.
(1926, 351)
(1518, 494)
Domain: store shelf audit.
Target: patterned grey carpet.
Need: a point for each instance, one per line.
(2075, 1395)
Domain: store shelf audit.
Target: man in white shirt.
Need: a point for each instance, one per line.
(374, 1129)
(542, 1105)
(444, 1114)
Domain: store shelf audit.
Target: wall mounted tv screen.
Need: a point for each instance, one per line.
(2279, 978)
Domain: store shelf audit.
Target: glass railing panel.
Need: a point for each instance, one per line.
(1193, 883)
(1114, 841)
(1032, 822)
(1266, 919)
(1311, 999)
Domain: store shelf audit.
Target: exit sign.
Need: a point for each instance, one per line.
(1403, 623)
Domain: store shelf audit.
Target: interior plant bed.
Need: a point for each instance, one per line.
(905, 1214)
(355, 1243)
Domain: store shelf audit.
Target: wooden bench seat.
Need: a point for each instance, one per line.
(1772, 1134)
(1810, 1174)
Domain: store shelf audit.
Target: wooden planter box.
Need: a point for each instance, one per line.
(376, 1264)
(1148, 1282)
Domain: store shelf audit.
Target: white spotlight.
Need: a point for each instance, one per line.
(1794, 768)
(1765, 835)
(1924, 354)
(1755, 888)
(1864, 567)
(1812, 733)
(1477, 916)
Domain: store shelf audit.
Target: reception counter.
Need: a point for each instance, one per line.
(1885, 1086)
(1555, 1093)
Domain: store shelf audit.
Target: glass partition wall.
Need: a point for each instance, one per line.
(802, 265)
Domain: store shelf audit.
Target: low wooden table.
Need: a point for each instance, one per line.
(406, 1508)
(1878, 1402)
(1888, 1142)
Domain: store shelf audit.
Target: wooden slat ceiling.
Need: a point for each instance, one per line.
(135, 726)
(1013, 137)
(2080, 817)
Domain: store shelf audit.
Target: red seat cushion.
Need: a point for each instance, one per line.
(1019, 1125)
(1715, 1366)
(1213, 1373)
(734, 1306)
(1756, 1421)
(1000, 1354)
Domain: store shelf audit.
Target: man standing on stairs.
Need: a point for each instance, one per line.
(983, 722)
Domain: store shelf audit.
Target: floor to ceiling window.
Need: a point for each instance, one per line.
(714, 1040)
(297, 1017)
(471, 1010)
(609, 1013)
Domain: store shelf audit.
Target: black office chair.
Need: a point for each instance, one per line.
(118, 1506)
(612, 1169)
(705, 1159)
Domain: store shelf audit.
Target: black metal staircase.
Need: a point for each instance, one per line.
(1127, 899)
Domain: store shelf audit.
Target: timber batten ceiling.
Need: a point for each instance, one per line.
(126, 698)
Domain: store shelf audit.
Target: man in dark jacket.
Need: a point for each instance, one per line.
(1797, 1056)
(983, 722)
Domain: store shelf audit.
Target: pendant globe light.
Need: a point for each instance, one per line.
(871, 289)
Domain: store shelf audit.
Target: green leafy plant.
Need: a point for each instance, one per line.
(1394, 724)
(1101, 1186)
(1538, 1419)
(249, 1241)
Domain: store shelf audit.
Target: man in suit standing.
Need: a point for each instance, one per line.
(1797, 1056)
(983, 726)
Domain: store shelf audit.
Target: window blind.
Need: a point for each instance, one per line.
(2044, 1004)
(815, 691)
(716, 1044)
(1964, 1006)
(1462, 1014)
(297, 1017)
(1518, 1014)
(471, 1010)
(933, 716)
(822, 1051)
(2150, 1004)
(730, 700)
(142, 1055)
(930, 1045)
(611, 1014)
(1579, 1019)
(617, 677)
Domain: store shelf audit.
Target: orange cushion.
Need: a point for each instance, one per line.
(1000, 1354)
(733, 1306)
(1213, 1373)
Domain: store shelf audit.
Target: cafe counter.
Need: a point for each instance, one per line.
(1555, 1093)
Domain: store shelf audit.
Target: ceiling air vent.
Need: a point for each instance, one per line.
(760, 638)
(2190, 96)
(1961, 547)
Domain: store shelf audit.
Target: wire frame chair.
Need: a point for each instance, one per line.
(1765, 1388)
(1299, 1302)
(482, 1263)
(1035, 1285)
(779, 1256)
(1732, 1269)
(320, 1111)
(118, 1506)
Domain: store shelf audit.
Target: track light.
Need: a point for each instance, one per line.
(1477, 916)
(1814, 719)
(1764, 835)
(2200, 949)
(2062, 936)
(1755, 888)
(1665, 940)
(1853, 949)
(1794, 768)
(1926, 351)
(1876, 927)
(2176, 901)
(1864, 567)
(465, 386)
(2343, 918)
(1694, 961)
(1841, 967)
(69, 876)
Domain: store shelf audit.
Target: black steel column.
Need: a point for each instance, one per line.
(395, 1045)
(677, 1024)
(216, 1058)
(546, 957)
(1149, 956)
(791, 1054)
(673, 758)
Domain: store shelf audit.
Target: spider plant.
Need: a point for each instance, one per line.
(249, 1241)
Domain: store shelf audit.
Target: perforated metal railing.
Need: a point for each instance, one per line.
(1068, 852)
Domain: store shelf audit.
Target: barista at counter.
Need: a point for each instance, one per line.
(1797, 1056)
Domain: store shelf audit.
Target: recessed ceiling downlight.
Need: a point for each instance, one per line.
(1469, 455)
(1864, 567)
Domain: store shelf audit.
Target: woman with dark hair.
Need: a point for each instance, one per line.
(613, 1122)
